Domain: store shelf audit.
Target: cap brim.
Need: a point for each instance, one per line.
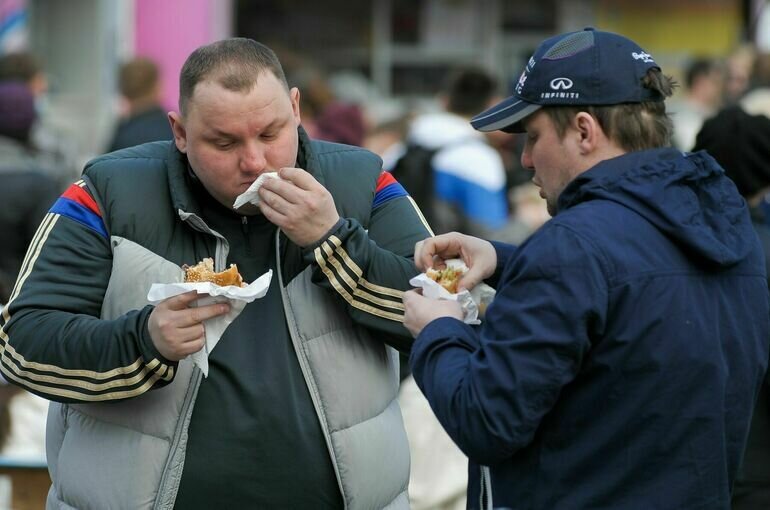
(505, 116)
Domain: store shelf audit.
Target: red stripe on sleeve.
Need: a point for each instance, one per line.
(384, 179)
(81, 196)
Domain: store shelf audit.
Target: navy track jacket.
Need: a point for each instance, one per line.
(618, 366)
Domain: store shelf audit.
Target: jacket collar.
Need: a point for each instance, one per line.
(307, 158)
(180, 182)
(611, 172)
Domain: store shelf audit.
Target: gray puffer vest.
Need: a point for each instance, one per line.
(130, 453)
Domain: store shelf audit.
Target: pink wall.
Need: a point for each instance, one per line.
(169, 30)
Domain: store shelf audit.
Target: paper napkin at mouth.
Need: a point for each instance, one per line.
(250, 196)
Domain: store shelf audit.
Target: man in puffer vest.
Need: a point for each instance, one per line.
(298, 409)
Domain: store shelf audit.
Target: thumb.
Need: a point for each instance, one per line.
(470, 279)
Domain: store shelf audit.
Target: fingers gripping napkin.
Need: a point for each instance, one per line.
(219, 287)
(250, 196)
(442, 284)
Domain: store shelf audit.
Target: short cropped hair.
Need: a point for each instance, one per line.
(138, 78)
(234, 63)
(700, 67)
(19, 66)
(633, 126)
(469, 91)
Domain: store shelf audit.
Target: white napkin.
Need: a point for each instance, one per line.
(250, 195)
(470, 301)
(238, 297)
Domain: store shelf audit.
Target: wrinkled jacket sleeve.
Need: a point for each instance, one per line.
(505, 253)
(491, 386)
(53, 342)
(370, 268)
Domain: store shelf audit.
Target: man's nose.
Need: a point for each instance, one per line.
(253, 158)
(526, 159)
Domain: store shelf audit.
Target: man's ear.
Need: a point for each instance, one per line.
(180, 134)
(294, 97)
(589, 132)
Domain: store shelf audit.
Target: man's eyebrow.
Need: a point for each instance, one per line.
(216, 133)
(274, 124)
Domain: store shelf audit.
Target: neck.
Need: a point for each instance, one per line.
(607, 152)
(143, 104)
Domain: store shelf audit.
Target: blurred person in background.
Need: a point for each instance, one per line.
(144, 120)
(27, 189)
(24, 67)
(341, 123)
(620, 360)
(702, 97)
(328, 118)
(387, 139)
(738, 69)
(48, 134)
(316, 92)
(463, 185)
(741, 145)
(299, 408)
(756, 100)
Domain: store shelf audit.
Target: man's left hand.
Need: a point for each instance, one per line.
(419, 311)
(299, 205)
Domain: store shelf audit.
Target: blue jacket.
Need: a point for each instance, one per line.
(620, 360)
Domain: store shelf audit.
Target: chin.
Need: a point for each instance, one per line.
(248, 210)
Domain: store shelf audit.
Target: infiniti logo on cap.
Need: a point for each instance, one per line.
(561, 84)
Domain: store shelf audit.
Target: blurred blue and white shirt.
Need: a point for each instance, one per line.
(468, 172)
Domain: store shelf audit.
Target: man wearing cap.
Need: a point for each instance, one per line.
(619, 363)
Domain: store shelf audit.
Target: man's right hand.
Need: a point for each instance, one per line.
(176, 329)
(479, 255)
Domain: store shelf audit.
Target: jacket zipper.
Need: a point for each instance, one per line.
(163, 491)
(192, 391)
(304, 366)
(485, 493)
(245, 231)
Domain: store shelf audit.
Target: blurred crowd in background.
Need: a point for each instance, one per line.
(462, 179)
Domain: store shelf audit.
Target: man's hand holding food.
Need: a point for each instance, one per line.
(419, 311)
(176, 329)
(480, 257)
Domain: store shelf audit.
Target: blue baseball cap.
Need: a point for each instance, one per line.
(589, 67)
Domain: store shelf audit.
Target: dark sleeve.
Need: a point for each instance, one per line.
(490, 387)
(53, 342)
(505, 253)
(370, 269)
